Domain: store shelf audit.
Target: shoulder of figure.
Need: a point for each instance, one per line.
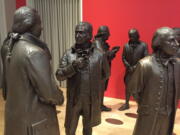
(126, 44)
(69, 50)
(146, 60)
(30, 50)
(98, 51)
(143, 43)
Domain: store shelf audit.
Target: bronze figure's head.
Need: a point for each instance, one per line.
(27, 19)
(164, 40)
(103, 32)
(83, 32)
(133, 35)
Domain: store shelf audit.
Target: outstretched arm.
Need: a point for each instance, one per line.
(65, 70)
(112, 53)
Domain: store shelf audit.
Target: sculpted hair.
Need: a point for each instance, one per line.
(133, 31)
(102, 30)
(159, 35)
(88, 27)
(24, 19)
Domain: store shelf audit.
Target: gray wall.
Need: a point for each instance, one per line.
(7, 8)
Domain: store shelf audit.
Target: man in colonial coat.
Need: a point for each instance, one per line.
(84, 69)
(133, 51)
(101, 43)
(29, 86)
(155, 85)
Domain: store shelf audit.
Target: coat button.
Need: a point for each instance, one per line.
(159, 93)
(160, 87)
(156, 109)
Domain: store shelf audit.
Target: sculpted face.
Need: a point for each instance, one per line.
(106, 36)
(133, 35)
(104, 31)
(178, 38)
(177, 34)
(169, 44)
(82, 35)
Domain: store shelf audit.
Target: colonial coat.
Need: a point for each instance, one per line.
(98, 72)
(131, 56)
(105, 49)
(147, 85)
(31, 91)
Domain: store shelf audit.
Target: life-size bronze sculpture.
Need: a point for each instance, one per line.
(29, 85)
(84, 68)
(155, 85)
(133, 51)
(100, 42)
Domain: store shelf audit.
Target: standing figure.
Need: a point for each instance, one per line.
(84, 69)
(133, 51)
(155, 85)
(100, 42)
(29, 86)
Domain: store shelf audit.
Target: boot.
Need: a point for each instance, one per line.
(124, 107)
(105, 108)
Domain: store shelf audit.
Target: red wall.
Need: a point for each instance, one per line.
(20, 3)
(120, 16)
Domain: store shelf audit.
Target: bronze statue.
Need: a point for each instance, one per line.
(155, 85)
(177, 34)
(29, 86)
(133, 51)
(100, 42)
(84, 67)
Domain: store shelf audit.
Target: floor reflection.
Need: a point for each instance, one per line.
(114, 121)
(132, 115)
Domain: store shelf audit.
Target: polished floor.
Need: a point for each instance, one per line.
(113, 123)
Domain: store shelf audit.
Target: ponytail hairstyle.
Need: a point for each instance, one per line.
(24, 20)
